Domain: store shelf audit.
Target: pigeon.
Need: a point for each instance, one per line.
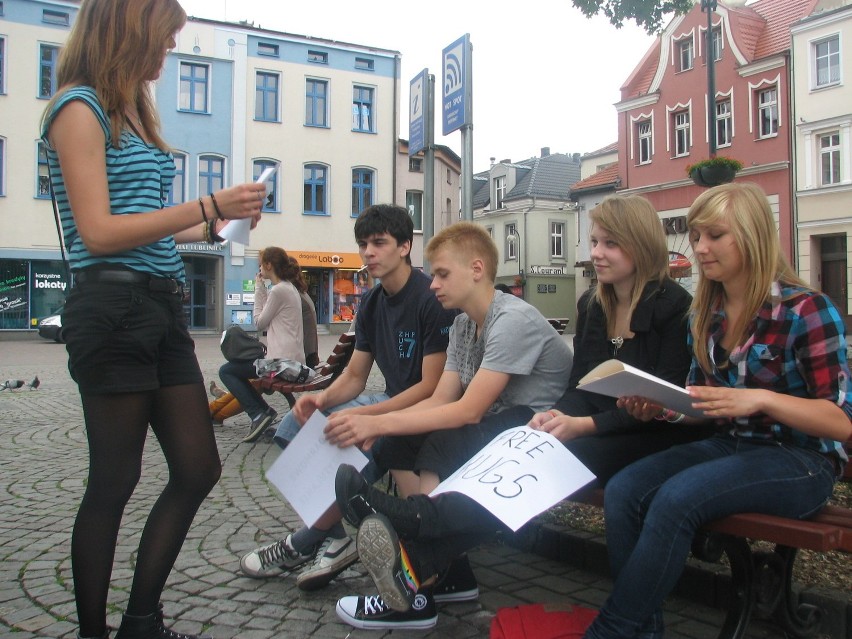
(12, 384)
(215, 390)
(33, 385)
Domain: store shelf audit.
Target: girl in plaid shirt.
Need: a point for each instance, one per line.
(769, 367)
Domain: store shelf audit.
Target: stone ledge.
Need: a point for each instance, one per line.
(704, 583)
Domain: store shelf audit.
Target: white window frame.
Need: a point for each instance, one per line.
(768, 106)
(414, 204)
(4, 53)
(681, 129)
(499, 192)
(512, 247)
(685, 54)
(725, 120)
(2, 166)
(557, 240)
(831, 153)
(828, 56)
(645, 141)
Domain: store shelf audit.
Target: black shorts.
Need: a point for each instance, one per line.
(398, 452)
(124, 338)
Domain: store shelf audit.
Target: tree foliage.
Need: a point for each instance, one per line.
(648, 14)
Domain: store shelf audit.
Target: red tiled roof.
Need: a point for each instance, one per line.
(746, 25)
(779, 15)
(606, 176)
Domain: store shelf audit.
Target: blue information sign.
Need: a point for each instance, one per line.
(455, 89)
(417, 113)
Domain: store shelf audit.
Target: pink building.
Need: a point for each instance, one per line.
(663, 120)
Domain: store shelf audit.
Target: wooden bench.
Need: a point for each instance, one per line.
(761, 581)
(559, 323)
(333, 367)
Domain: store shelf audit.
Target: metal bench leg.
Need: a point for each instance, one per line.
(742, 588)
(799, 620)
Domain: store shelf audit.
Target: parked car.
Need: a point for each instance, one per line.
(50, 327)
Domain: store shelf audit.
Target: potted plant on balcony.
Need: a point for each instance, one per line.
(714, 171)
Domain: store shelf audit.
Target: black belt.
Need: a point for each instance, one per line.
(123, 276)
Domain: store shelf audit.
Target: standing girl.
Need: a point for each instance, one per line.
(128, 345)
(769, 367)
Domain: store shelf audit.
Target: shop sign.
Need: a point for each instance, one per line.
(202, 247)
(546, 270)
(320, 259)
(48, 280)
(232, 299)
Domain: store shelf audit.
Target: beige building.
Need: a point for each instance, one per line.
(822, 113)
(410, 190)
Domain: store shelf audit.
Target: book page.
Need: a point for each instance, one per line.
(617, 379)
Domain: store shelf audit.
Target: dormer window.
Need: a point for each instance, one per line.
(685, 55)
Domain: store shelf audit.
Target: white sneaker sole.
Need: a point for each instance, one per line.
(314, 579)
(361, 624)
(378, 549)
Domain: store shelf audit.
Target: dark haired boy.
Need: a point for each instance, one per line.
(403, 329)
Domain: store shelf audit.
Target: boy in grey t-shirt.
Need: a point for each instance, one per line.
(504, 363)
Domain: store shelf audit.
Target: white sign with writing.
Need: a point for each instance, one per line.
(304, 471)
(520, 474)
(536, 269)
(232, 299)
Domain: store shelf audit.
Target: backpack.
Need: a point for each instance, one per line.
(542, 621)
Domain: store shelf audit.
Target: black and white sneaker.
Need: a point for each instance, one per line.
(334, 556)
(387, 562)
(457, 583)
(274, 559)
(372, 613)
(260, 424)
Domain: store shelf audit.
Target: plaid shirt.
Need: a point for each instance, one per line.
(796, 346)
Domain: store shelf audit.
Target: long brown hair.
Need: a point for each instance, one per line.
(633, 223)
(298, 279)
(117, 47)
(744, 207)
(280, 262)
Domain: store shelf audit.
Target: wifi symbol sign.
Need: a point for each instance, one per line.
(453, 72)
(455, 105)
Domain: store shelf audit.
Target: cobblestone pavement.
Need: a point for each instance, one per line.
(42, 466)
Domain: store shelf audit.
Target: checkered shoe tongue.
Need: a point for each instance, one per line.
(375, 605)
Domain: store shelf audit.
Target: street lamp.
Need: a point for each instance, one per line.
(710, 6)
(512, 237)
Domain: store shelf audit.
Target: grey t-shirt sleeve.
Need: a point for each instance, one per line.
(512, 345)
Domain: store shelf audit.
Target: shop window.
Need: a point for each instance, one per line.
(349, 286)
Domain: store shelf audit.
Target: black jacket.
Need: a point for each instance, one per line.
(659, 347)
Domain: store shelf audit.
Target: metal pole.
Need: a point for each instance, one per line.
(467, 144)
(429, 170)
(710, 6)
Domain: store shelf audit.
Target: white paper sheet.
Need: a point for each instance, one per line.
(304, 471)
(238, 230)
(519, 474)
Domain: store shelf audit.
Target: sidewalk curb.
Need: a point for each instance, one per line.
(703, 583)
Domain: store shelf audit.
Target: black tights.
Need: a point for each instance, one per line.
(116, 427)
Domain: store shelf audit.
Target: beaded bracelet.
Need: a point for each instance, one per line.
(203, 212)
(205, 232)
(216, 206)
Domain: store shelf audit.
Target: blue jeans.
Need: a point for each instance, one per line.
(289, 428)
(235, 376)
(654, 507)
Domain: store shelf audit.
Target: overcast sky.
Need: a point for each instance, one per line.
(543, 74)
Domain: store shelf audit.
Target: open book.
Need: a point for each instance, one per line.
(617, 379)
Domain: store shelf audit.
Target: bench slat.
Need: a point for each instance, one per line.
(778, 530)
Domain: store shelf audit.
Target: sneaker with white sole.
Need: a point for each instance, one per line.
(274, 559)
(388, 563)
(456, 583)
(259, 424)
(372, 613)
(334, 556)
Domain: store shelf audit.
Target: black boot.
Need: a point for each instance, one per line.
(150, 627)
(357, 500)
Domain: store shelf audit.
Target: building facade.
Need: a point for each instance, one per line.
(663, 121)
(526, 209)
(410, 187)
(233, 99)
(822, 113)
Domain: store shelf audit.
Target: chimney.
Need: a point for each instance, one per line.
(505, 161)
(492, 158)
(545, 151)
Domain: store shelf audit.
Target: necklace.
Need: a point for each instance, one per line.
(617, 342)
